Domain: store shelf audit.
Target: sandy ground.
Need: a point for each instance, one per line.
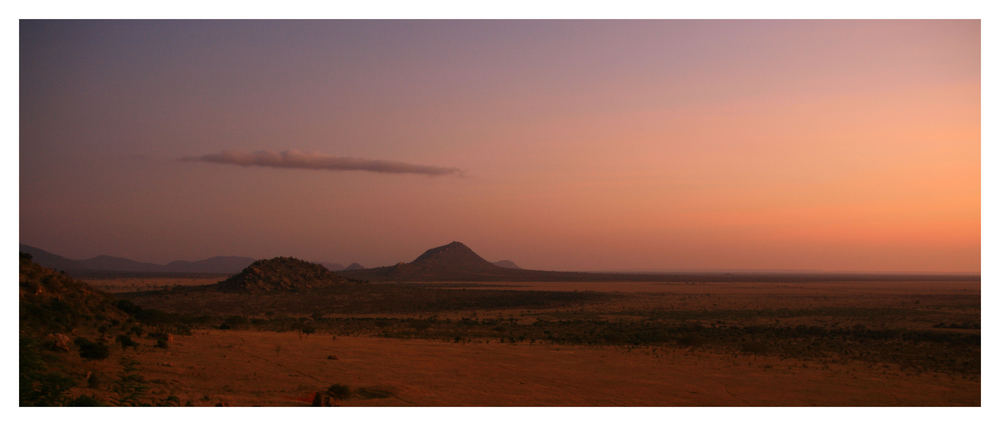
(264, 368)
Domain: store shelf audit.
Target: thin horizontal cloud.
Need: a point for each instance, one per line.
(293, 159)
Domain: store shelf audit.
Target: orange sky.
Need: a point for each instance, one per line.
(625, 145)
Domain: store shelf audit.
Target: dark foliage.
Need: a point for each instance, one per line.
(39, 384)
(85, 401)
(91, 350)
(351, 299)
(130, 388)
(126, 341)
(374, 392)
(339, 391)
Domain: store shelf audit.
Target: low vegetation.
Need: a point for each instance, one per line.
(359, 299)
(918, 350)
(341, 392)
(927, 349)
(62, 336)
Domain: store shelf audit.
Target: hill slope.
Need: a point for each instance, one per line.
(50, 260)
(65, 327)
(52, 302)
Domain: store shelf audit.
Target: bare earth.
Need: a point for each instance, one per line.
(241, 367)
(267, 368)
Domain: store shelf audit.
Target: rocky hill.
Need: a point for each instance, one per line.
(65, 327)
(454, 256)
(453, 261)
(52, 302)
(280, 274)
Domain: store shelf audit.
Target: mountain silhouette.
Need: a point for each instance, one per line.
(49, 260)
(333, 266)
(454, 256)
(353, 267)
(452, 261)
(457, 262)
(506, 264)
(215, 265)
(121, 264)
(105, 263)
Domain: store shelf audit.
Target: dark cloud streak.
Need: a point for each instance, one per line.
(293, 159)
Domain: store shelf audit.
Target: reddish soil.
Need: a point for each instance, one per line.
(266, 368)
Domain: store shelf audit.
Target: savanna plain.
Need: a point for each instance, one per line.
(878, 342)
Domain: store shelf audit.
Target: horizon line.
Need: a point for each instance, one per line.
(642, 271)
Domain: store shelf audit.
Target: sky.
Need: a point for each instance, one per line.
(564, 145)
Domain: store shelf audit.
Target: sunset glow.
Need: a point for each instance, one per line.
(561, 145)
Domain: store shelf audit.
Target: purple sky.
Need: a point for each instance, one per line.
(625, 145)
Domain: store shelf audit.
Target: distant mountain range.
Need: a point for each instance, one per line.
(212, 265)
(457, 262)
(110, 264)
(451, 262)
(334, 266)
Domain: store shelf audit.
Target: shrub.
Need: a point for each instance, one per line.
(85, 401)
(234, 322)
(339, 391)
(158, 334)
(130, 388)
(38, 385)
(128, 307)
(170, 401)
(91, 350)
(754, 347)
(306, 328)
(126, 341)
(690, 340)
(375, 392)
